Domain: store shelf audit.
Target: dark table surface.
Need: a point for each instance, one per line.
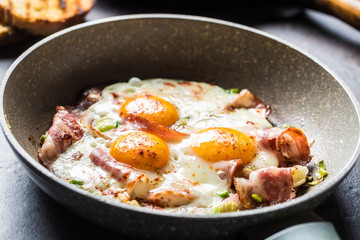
(28, 213)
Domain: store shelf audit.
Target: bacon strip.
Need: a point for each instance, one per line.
(89, 97)
(118, 171)
(247, 99)
(228, 169)
(64, 131)
(273, 185)
(137, 182)
(290, 145)
(143, 124)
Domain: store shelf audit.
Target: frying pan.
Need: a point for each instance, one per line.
(301, 91)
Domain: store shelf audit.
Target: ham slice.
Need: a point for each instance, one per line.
(170, 197)
(290, 145)
(247, 99)
(273, 185)
(64, 131)
(88, 98)
(143, 124)
(136, 181)
(226, 170)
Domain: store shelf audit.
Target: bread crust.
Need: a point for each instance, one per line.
(44, 17)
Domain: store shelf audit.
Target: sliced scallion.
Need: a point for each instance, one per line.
(77, 182)
(223, 194)
(105, 124)
(257, 197)
(42, 139)
(230, 206)
(232, 90)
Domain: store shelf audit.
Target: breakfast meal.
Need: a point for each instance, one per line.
(179, 146)
(39, 17)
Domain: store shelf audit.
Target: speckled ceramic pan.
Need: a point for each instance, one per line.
(300, 90)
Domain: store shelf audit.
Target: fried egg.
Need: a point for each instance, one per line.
(186, 165)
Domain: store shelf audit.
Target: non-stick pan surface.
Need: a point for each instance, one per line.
(300, 91)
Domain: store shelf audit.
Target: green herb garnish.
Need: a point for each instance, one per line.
(287, 125)
(223, 194)
(232, 90)
(257, 197)
(105, 124)
(184, 121)
(42, 139)
(320, 175)
(77, 183)
(230, 206)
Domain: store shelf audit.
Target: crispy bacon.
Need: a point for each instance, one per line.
(228, 169)
(64, 131)
(137, 182)
(247, 99)
(290, 145)
(273, 185)
(89, 97)
(143, 124)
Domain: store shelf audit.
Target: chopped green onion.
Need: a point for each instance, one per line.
(105, 124)
(77, 183)
(320, 175)
(42, 139)
(232, 90)
(309, 179)
(223, 194)
(184, 121)
(257, 198)
(287, 125)
(230, 206)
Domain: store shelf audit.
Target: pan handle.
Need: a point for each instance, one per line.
(299, 226)
(348, 10)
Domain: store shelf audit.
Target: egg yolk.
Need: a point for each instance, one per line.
(141, 150)
(217, 144)
(152, 108)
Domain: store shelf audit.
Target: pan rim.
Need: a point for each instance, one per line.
(35, 165)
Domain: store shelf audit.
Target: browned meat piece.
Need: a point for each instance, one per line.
(137, 182)
(118, 170)
(228, 169)
(88, 98)
(64, 131)
(289, 144)
(271, 185)
(143, 124)
(247, 99)
(149, 205)
(169, 197)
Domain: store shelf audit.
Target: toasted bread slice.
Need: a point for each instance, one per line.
(43, 17)
(10, 35)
